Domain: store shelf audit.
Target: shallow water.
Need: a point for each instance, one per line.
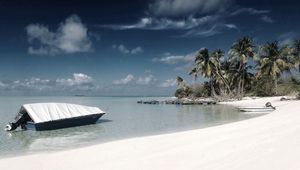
(124, 119)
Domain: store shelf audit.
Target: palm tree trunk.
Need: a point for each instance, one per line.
(225, 82)
(239, 88)
(211, 87)
(275, 86)
(243, 81)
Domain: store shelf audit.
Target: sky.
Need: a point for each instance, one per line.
(125, 48)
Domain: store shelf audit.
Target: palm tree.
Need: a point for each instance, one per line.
(218, 72)
(274, 61)
(204, 65)
(241, 51)
(248, 77)
(232, 74)
(194, 73)
(184, 88)
(180, 82)
(209, 66)
(225, 67)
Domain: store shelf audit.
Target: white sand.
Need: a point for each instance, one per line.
(270, 142)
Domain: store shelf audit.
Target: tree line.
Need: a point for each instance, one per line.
(246, 68)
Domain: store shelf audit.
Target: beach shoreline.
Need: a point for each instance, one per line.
(266, 142)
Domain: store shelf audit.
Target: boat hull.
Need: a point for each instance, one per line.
(65, 123)
(256, 109)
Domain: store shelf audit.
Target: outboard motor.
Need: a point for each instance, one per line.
(10, 127)
(20, 120)
(268, 104)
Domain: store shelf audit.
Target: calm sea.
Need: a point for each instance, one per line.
(124, 119)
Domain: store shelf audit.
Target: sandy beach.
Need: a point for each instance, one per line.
(267, 142)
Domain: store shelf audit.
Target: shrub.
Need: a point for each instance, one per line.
(179, 93)
(263, 87)
(289, 86)
(201, 91)
(183, 92)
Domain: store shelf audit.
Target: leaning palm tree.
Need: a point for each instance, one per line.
(218, 71)
(180, 82)
(225, 67)
(274, 61)
(194, 73)
(232, 74)
(209, 66)
(241, 51)
(185, 89)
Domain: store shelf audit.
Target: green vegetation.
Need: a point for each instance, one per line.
(184, 89)
(260, 70)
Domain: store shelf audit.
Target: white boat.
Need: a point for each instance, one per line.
(256, 109)
(48, 116)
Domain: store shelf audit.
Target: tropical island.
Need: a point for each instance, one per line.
(237, 100)
(269, 69)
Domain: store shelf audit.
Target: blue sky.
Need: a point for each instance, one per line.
(135, 47)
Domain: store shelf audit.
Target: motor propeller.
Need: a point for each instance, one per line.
(268, 104)
(8, 127)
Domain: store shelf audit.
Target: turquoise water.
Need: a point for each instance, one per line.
(124, 119)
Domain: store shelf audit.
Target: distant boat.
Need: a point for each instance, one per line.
(267, 108)
(49, 116)
(256, 109)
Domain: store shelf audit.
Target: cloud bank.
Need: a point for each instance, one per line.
(78, 83)
(83, 84)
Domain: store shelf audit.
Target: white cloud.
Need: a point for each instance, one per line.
(148, 79)
(30, 84)
(175, 59)
(232, 26)
(41, 51)
(182, 62)
(209, 30)
(137, 50)
(71, 37)
(130, 79)
(151, 23)
(267, 19)
(126, 80)
(288, 38)
(250, 11)
(2, 85)
(78, 82)
(187, 7)
(78, 79)
(192, 26)
(123, 49)
(185, 67)
(168, 83)
(192, 18)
